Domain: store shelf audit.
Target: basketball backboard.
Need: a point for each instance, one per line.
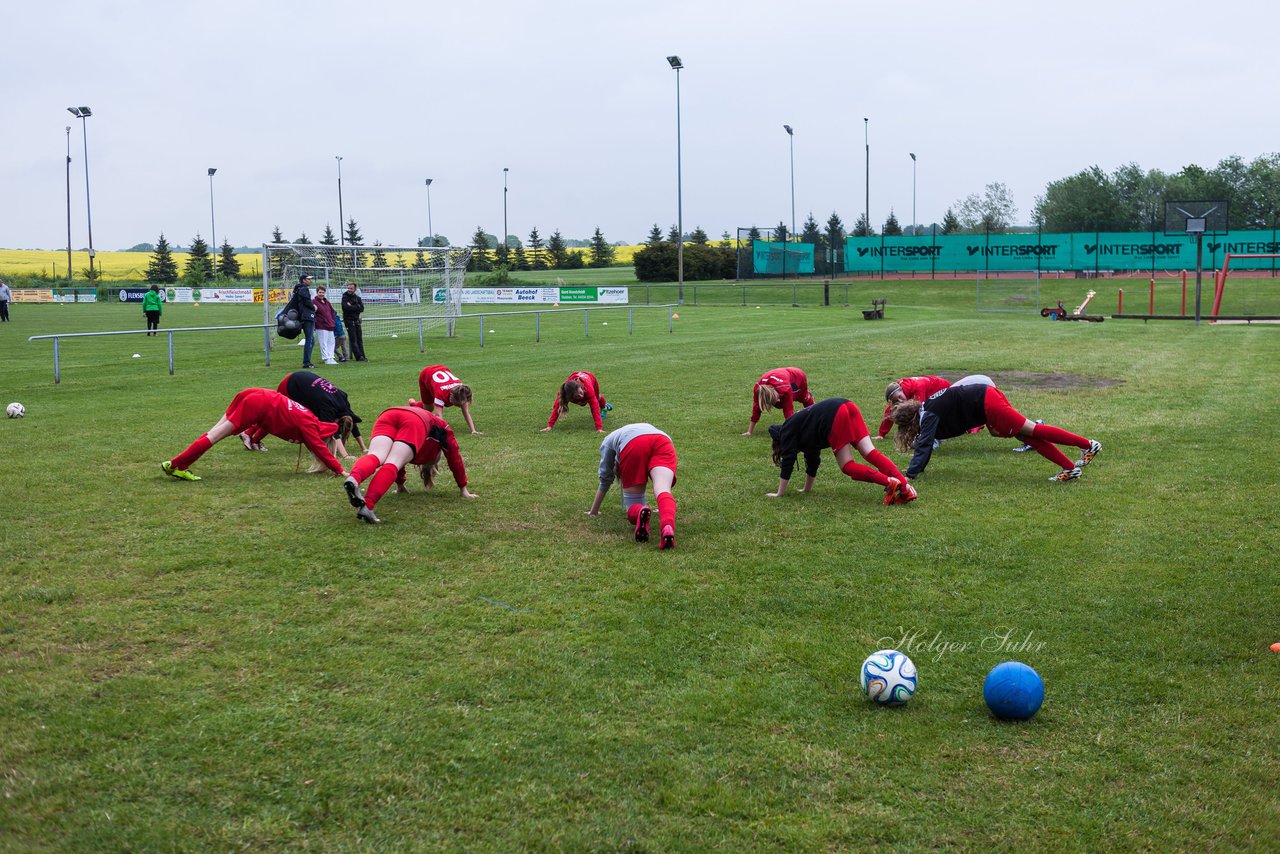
(1195, 217)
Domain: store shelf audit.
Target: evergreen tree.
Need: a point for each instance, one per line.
(354, 237)
(780, 232)
(835, 238)
(699, 237)
(601, 252)
(891, 226)
(419, 260)
(725, 240)
(329, 238)
(303, 240)
(574, 260)
(519, 260)
(812, 234)
(277, 261)
(673, 236)
(228, 266)
(400, 262)
(162, 269)
(536, 256)
(379, 257)
(655, 236)
(862, 228)
(557, 252)
(199, 266)
(480, 260)
(950, 222)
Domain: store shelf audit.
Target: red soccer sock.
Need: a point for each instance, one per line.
(193, 452)
(1050, 452)
(666, 510)
(885, 465)
(633, 512)
(364, 467)
(866, 474)
(257, 435)
(1058, 436)
(382, 480)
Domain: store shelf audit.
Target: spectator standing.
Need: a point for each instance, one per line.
(352, 308)
(306, 316)
(325, 322)
(5, 296)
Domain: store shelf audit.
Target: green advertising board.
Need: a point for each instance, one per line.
(774, 258)
(579, 294)
(1080, 251)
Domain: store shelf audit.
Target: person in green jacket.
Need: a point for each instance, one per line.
(151, 307)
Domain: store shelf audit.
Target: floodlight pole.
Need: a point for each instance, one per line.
(866, 136)
(69, 269)
(83, 113)
(505, 170)
(213, 222)
(342, 223)
(791, 138)
(431, 235)
(675, 63)
(914, 230)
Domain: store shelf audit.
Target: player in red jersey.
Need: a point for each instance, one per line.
(837, 424)
(778, 389)
(637, 454)
(403, 435)
(583, 389)
(440, 387)
(262, 408)
(907, 388)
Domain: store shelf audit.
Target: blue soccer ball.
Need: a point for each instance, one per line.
(888, 677)
(1013, 691)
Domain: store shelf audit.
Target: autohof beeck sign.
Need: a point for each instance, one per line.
(1080, 251)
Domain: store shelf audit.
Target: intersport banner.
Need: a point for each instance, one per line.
(1080, 251)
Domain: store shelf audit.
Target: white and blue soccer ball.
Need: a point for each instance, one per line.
(888, 677)
(15, 410)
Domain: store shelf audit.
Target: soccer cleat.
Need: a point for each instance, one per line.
(642, 525)
(180, 474)
(364, 514)
(353, 492)
(668, 538)
(891, 490)
(1066, 474)
(905, 493)
(1087, 457)
(248, 443)
(258, 446)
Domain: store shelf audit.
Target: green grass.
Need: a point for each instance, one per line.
(239, 664)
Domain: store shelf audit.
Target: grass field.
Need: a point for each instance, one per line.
(239, 664)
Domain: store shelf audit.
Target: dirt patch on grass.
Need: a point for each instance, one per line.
(1034, 379)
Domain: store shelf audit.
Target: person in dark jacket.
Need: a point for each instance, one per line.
(152, 305)
(837, 424)
(306, 316)
(352, 308)
(955, 410)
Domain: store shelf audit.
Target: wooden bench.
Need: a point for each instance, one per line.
(876, 312)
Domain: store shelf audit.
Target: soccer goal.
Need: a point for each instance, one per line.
(1008, 290)
(1248, 299)
(395, 282)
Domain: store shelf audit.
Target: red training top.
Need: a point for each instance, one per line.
(915, 388)
(285, 418)
(434, 384)
(592, 398)
(439, 436)
(792, 385)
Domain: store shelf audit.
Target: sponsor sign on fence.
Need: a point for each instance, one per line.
(536, 296)
(136, 294)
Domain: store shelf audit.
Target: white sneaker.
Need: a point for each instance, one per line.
(330, 362)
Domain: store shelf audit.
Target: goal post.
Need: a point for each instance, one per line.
(1008, 290)
(395, 282)
(1220, 277)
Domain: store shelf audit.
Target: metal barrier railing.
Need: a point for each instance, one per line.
(450, 323)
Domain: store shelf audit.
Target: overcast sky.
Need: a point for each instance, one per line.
(578, 101)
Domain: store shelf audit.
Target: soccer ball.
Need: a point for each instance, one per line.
(1013, 691)
(15, 410)
(888, 677)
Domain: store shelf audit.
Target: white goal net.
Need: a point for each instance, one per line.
(1008, 290)
(400, 285)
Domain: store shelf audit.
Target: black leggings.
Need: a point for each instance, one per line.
(153, 319)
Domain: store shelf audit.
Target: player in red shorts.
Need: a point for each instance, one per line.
(403, 435)
(778, 389)
(583, 389)
(440, 387)
(262, 408)
(907, 388)
(637, 454)
(954, 410)
(837, 424)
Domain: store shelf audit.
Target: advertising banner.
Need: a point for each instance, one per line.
(228, 295)
(537, 296)
(32, 294)
(136, 294)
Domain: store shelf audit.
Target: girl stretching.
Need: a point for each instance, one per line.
(837, 424)
(439, 387)
(583, 389)
(261, 409)
(403, 435)
(778, 389)
(952, 411)
(637, 453)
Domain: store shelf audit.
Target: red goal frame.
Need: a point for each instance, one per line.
(1220, 277)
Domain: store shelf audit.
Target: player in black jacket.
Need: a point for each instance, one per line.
(837, 424)
(955, 410)
(325, 400)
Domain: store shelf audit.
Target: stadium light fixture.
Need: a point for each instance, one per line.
(431, 235)
(213, 222)
(342, 223)
(83, 113)
(914, 227)
(676, 64)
